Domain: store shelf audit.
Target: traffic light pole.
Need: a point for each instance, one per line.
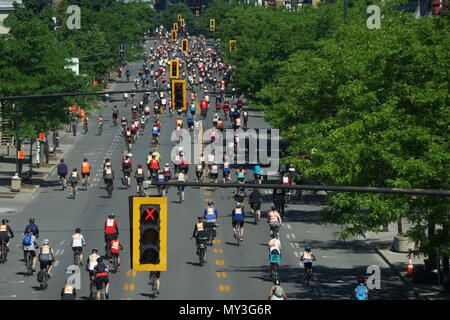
(423, 192)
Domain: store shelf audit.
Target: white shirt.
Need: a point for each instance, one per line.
(274, 244)
(93, 261)
(78, 240)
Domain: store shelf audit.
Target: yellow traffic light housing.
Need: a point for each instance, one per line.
(184, 45)
(232, 45)
(212, 25)
(179, 17)
(148, 221)
(174, 69)
(174, 35)
(182, 23)
(175, 26)
(179, 94)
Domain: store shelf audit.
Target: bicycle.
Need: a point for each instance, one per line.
(115, 263)
(100, 129)
(109, 189)
(77, 258)
(29, 263)
(85, 184)
(237, 233)
(274, 265)
(102, 292)
(153, 284)
(201, 249)
(4, 254)
(61, 180)
(210, 231)
(44, 283)
(85, 127)
(73, 191)
(308, 279)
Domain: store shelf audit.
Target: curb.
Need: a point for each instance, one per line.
(381, 254)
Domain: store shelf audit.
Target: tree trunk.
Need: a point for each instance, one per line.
(31, 158)
(431, 235)
(399, 227)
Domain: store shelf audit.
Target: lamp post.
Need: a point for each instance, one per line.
(18, 112)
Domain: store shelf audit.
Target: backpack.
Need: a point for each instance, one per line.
(27, 240)
(361, 292)
(278, 291)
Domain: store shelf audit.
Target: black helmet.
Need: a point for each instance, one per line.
(62, 160)
(273, 207)
(31, 220)
(28, 230)
(276, 282)
(85, 160)
(361, 280)
(107, 160)
(100, 260)
(111, 215)
(5, 221)
(94, 250)
(200, 217)
(210, 202)
(77, 230)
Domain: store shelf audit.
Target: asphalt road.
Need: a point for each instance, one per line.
(231, 273)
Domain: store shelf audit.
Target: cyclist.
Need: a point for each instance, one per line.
(101, 277)
(124, 124)
(115, 114)
(128, 137)
(100, 123)
(181, 178)
(111, 230)
(46, 257)
(86, 171)
(108, 175)
(308, 258)
(274, 219)
(199, 172)
(237, 216)
(127, 166)
(361, 291)
(90, 265)
(214, 173)
(33, 227)
(199, 232)
(190, 122)
(74, 178)
(278, 199)
(179, 121)
(240, 175)
(133, 128)
(157, 276)
(245, 116)
(210, 215)
(127, 73)
(257, 174)
(274, 247)
(115, 247)
(255, 200)
(154, 167)
(29, 243)
(277, 292)
(62, 172)
(139, 175)
(155, 133)
(286, 180)
(68, 292)
(226, 169)
(77, 244)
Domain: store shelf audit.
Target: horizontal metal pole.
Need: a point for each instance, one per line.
(95, 93)
(424, 192)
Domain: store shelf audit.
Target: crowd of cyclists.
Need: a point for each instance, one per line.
(205, 72)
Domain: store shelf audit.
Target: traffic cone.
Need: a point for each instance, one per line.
(410, 267)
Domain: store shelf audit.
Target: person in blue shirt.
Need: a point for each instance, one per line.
(210, 215)
(257, 173)
(62, 172)
(190, 121)
(33, 228)
(238, 217)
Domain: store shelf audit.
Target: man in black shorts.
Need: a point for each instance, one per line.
(62, 171)
(255, 200)
(101, 273)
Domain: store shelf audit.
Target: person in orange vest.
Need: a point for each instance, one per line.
(68, 292)
(115, 247)
(85, 172)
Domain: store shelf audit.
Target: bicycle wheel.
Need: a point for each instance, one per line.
(153, 286)
(29, 263)
(238, 235)
(115, 263)
(200, 256)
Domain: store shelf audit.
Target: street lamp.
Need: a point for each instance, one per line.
(18, 112)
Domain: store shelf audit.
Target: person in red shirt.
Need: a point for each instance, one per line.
(204, 107)
(115, 247)
(287, 181)
(154, 167)
(127, 167)
(111, 230)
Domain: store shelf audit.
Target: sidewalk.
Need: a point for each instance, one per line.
(398, 262)
(13, 202)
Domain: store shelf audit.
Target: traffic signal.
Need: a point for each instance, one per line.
(182, 23)
(179, 17)
(174, 35)
(122, 51)
(175, 26)
(212, 25)
(174, 68)
(148, 233)
(184, 45)
(179, 94)
(232, 45)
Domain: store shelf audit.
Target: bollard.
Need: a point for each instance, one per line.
(15, 183)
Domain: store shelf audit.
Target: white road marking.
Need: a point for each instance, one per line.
(292, 236)
(331, 257)
(288, 236)
(288, 226)
(296, 244)
(21, 281)
(56, 263)
(62, 242)
(57, 252)
(296, 254)
(11, 296)
(312, 231)
(62, 251)
(291, 244)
